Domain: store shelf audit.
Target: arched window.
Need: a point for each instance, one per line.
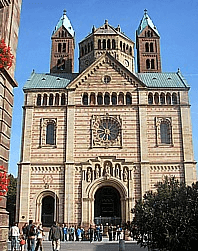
(124, 48)
(156, 98)
(59, 47)
(92, 99)
(128, 98)
(147, 47)
(82, 51)
(91, 45)
(63, 99)
(57, 99)
(130, 50)
(113, 44)
(150, 98)
(174, 98)
(152, 64)
(162, 98)
(38, 102)
(151, 47)
(99, 44)
(51, 99)
(165, 133)
(85, 49)
(149, 33)
(114, 98)
(50, 134)
(121, 99)
(121, 45)
(64, 47)
(104, 44)
(106, 99)
(85, 99)
(45, 99)
(168, 99)
(100, 99)
(108, 44)
(148, 64)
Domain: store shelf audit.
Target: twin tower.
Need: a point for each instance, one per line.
(106, 39)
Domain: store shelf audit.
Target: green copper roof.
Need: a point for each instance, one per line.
(49, 81)
(163, 80)
(146, 21)
(64, 21)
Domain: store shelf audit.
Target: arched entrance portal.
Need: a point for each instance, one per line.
(107, 206)
(47, 215)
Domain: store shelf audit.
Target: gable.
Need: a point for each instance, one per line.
(106, 72)
(149, 28)
(62, 32)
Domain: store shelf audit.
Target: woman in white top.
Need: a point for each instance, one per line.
(15, 236)
(40, 235)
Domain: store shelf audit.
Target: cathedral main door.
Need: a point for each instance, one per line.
(47, 217)
(107, 206)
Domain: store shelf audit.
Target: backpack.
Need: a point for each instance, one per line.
(32, 231)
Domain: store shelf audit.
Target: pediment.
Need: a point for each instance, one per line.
(106, 72)
(59, 33)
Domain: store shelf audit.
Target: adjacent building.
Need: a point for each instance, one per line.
(9, 26)
(94, 142)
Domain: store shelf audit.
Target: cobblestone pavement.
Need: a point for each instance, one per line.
(94, 246)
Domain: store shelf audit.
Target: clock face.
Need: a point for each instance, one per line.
(126, 62)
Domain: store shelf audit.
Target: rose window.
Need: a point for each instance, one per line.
(106, 131)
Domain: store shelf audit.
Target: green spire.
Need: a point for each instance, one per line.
(146, 21)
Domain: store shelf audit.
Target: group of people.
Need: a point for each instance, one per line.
(30, 238)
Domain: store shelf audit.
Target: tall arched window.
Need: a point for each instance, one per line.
(99, 44)
(165, 133)
(147, 47)
(50, 134)
(104, 44)
(162, 98)
(121, 99)
(128, 98)
(45, 99)
(168, 99)
(114, 98)
(174, 98)
(57, 99)
(113, 44)
(85, 99)
(156, 98)
(38, 102)
(150, 98)
(151, 47)
(59, 47)
(64, 47)
(108, 44)
(148, 64)
(100, 99)
(106, 99)
(63, 99)
(92, 99)
(121, 45)
(51, 99)
(152, 64)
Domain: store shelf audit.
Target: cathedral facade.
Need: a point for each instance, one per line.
(94, 142)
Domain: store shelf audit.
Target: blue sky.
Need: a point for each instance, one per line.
(176, 20)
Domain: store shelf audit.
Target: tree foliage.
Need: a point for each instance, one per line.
(168, 218)
(11, 198)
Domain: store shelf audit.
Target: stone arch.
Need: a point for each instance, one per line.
(39, 200)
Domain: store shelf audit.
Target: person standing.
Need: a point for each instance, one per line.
(55, 235)
(40, 235)
(65, 232)
(110, 232)
(101, 232)
(31, 234)
(15, 236)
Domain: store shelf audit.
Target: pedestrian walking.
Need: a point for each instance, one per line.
(55, 235)
(31, 235)
(40, 234)
(14, 236)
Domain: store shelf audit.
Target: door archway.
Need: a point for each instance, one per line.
(47, 212)
(107, 206)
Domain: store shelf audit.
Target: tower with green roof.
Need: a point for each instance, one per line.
(63, 45)
(148, 46)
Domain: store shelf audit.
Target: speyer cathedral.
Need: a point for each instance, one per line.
(94, 142)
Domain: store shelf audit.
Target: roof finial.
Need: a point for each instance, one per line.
(145, 11)
(64, 12)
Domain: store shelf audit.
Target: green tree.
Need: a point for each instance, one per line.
(11, 198)
(168, 218)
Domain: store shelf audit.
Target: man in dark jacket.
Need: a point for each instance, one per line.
(55, 235)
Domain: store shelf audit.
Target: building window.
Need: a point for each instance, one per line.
(114, 99)
(121, 99)
(152, 64)
(147, 47)
(85, 99)
(59, 47)
(51, 98)
(156, 98)
(50, 134)
(113, 44)
(57, 99)
(174, 98)
(104, 44)
(106, 79)
(63, 99)
(168, 99)
(106, 99)
(128, 99)
(162, 98)
(151, 47)
(150, 98)
(92, 99)
(148, 64)
(108, 44)
(45, 99)
(100, 99)
(99, 44)
(164, 131)
(38, 100)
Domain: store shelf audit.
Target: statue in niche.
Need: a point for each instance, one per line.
(125, 174)
(89, 175)
(97, 172)
(107, 170)
(117, 171)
